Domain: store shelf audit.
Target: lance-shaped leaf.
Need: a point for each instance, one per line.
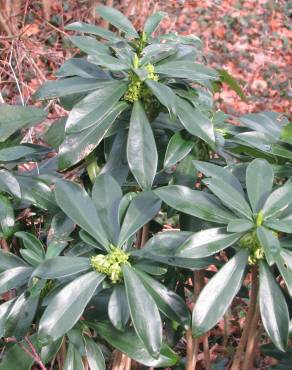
(259, 182)
(93, 30)
(265, 122)
(273, 307)
(9, 184)
(94, 355)
(141, 148)
(278, 202)
(14, 278)
(207, 242)
(153, 22)
(164, 94)
(189, 70)
(118, 308)
(7, 219)
(73, 359)
(168, 302)
(77, 146)
(195, 122)
(76, 203)
(117, 19)
(68, 86)
(13, 118)
(270, 243)
(9, 261)
(130, 344)
(142, 209)
(218, 294)
(95, 107)
(240, 225)
(284, 264)
(229, 197)
(89, 45)
(4, 311)
(143, 311)
(163, 246)
(225, 77)
(195, 203)
(221, 173)
(178, 147)
(62, 266)
(66, 307)
(106, 196)
(32, 243)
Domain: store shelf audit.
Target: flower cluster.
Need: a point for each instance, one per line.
(137, 89)
(110, 264)
(250, 241)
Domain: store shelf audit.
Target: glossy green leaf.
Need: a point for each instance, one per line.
(73, 359)
(143, 311)
(117, 19)
(178, 147)
(7, 219)
(130, 344)
(273, 307)
(31, 257)
(164, 94)
(77, 146)
(49, 352)
(240, 225)
(9, 261)
(142, 209)
(58, 267)
(82, 68)
(265, 122)
(278, 201)
(141, 148)
(229, 197)
(259, 182)
(94, 355)
(284, 264)
(221, 173)
(75, 202)
(89, 45)
(163, 246)
(92, 29)
(188, 70)
(168, 302)
(95, 107)
(31, 242)
(14, 117)
(14, 278)
(4, 311)
(21, 316)
(9, 184)
(118, 309)
(66, 307)
(218, 294)
(207, 242)
(195, 203)
(106, 196)
(17, 358)
(153, 21)
(270, 243)
(68, 86)
(195, 122)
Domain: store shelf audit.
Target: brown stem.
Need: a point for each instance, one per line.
(145, 235)
(249, 318)
(190, 350)
(207, 358)
(252, 342)
(33, 353)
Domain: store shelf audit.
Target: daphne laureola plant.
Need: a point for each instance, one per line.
(145, 146)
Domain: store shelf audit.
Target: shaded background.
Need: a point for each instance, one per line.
(251, 39)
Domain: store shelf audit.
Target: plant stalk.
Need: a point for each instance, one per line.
(249, 318)
(252, 342)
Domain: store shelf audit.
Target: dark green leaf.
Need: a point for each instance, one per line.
(177, 149)
(66, 307)
(218, 294)
(278, 201)
(94, 355)
(195, 203)
(9, 184)
(58, 267)
(117, 19)
(259, 182)
(49, 352)
(143, 311)
(165, 95)
(273, 307)
(75, 202)
(32, 243)
(89, 45)
(14, 278)
(93, 30)
(207, 242)
(4, 311)
(130, 344)
(153, 22)
(189, 70)
(240, 225)
(142, 209)
(118, 309)
(284, 264)
(232, 83)
(9, 261)
(270, 243)
(141, 147)
(7, 219)
(73, 359)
